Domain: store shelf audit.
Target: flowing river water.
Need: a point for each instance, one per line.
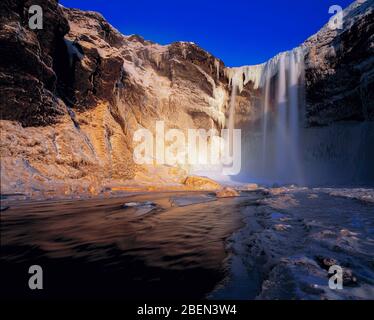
(265, 244)
(174, 248)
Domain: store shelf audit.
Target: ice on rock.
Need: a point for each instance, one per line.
(217, 65)
(239, 77)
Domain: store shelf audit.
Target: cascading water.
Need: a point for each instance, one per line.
(276, 145)
(284, 80)
(271, 146)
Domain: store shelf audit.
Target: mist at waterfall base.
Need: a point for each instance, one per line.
(278, 148)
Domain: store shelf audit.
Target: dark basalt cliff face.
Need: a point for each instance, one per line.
(73, 94)
(340, 69)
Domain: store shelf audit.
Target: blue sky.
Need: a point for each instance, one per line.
(240, 32)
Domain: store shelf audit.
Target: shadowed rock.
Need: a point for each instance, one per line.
(340, 69)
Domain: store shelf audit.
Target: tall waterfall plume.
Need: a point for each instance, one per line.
(271, 147)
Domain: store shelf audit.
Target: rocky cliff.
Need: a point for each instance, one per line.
(340, 69)
(73, 94)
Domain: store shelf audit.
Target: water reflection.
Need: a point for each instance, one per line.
(98, 249)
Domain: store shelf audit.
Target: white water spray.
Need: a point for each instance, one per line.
(274, 155)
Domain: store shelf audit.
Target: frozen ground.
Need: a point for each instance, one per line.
(292, 237)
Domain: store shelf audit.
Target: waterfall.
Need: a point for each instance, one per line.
(276, 145)
(286, 158)
(271, 149)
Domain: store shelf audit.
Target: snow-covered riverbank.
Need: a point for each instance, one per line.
(292, 237)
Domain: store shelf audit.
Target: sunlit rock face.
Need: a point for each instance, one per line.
(73, 95)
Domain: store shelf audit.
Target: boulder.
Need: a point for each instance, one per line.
(282, 227)
(201, 183)
(227, 193)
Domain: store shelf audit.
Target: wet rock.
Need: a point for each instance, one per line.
(227, 193)
(281, 201)
(326, 234)
(326, 263)
(312, 289)
(348, 278)
(293, 278)
(265, 192)
(282, 227)
(347, 233)
(360, 194)
(313, 196)
(201, 183)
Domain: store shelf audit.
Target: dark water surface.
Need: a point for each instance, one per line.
(172, 249)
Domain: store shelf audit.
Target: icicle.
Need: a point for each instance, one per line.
(217, 65)
(241, 76)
